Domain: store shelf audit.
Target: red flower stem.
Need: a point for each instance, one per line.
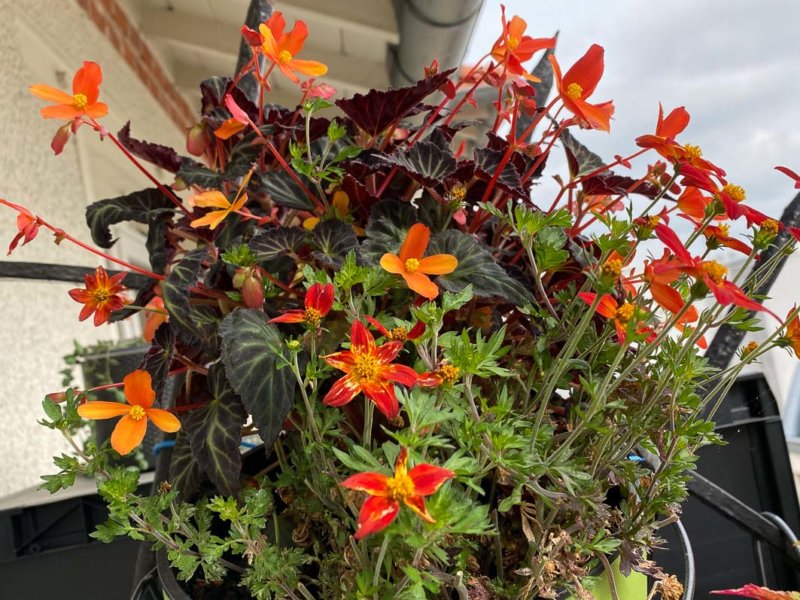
(435, 114)
(167, 192)
(60, 233)
(619, 161)
(281, 285)
(119, 384)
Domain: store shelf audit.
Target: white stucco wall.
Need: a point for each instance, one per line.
(39, 39)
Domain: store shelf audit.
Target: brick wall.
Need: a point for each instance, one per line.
(123, 34)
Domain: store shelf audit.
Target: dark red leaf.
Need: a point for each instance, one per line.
(161, 156)
(378, 109)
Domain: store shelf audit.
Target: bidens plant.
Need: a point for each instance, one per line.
(524, 354)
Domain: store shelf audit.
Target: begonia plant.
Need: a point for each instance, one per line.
(456, 378)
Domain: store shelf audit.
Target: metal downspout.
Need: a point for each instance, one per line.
(429, 29)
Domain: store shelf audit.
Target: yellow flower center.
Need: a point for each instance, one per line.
(512, 43)
(80, 101)
(725, 230)
(734, 191)
(613, 267)
(714, 270)
(457, 193)
(365, 366)
(398, 333)
(653, 221)
(749, 349)
(101, 295)
(574, 91)
(285, 56)
(448, 373)
(400, 486)
(137, 413)
(625, 312)
(412, 264)
(771, 227)
(693, 152)
(312, 316)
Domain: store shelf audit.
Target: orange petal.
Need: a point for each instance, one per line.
(51, 94)
(517, 27)
(269, 46)
(97, 110)
(438, 264)
(102, 410)
(87, 81)
(361, 340)
(128, 434)
(421, 283)
(596, 117)
(311, 68)
(343, 360)
(383, 395)
(296, 38)
(212, 219)
(392, 263)
(429, 478)
(139, 389)
(587, 71)
(342, 392)
(229, 128)
(415, 243)
(377, 513)
(290, 316)
(372, 483)
(60, 111)
(164, 420)
(215, 198)
(417, 504)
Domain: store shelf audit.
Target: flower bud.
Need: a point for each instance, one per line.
(253, 291)
(60, 139)
(197, 140)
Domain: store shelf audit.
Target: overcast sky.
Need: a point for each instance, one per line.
(734, 65)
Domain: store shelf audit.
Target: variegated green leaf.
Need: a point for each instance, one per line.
(215, 433)
(184, 472)
(138, 206)
(389, 221)
(252, 351)
(333, 240)
(269, 244)
(476, 267)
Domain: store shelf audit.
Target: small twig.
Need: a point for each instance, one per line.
(612, 584)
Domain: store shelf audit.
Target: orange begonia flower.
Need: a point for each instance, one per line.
(414, 268)
(381, 508)
(514, 48)
(101, 295)
(218, 200)
(318, 303)
(577, 84)
(369, 370)
(130, 430)
(793, 333)
(281, 48)
(667, 129)
(82, 101)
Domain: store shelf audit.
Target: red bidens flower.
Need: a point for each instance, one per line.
(621, 314)
(381, 508)
(101, 295)
(318, 303)
(368, 369)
